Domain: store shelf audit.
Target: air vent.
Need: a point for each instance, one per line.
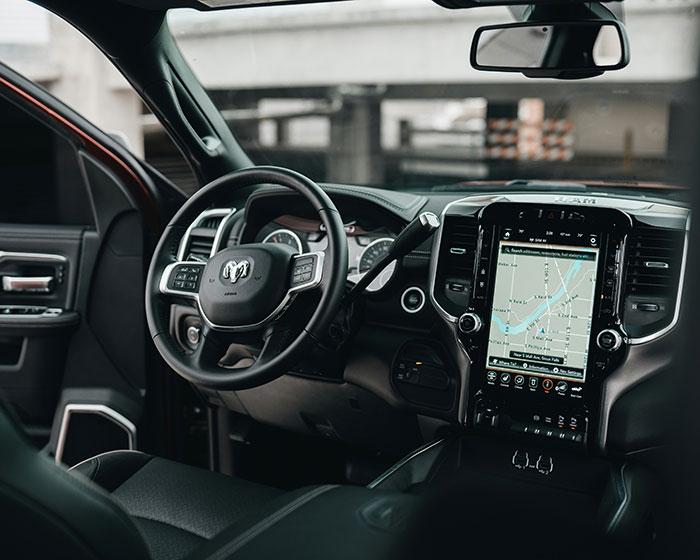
(654, 258)
(654, 261)
(200, 244)
(199, 238)
(459, 243)
(455, 273)
(212, 222)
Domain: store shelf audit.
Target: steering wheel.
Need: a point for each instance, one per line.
(247, 290)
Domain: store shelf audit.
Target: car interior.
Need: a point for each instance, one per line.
(348, 350)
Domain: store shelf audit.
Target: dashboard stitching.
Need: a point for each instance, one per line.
(349, 190)
(362, 194)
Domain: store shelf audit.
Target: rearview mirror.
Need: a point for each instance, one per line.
(551, 50)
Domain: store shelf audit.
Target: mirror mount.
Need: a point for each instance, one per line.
(536, 13)
(562, 37)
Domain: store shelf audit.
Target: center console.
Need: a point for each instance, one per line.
(540, 314)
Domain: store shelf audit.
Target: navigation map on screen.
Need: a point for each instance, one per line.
(542, 309)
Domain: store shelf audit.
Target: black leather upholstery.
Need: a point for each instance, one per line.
(46, 512)
(176, 507)
(126, 505)
(119, 505)
(318, 523)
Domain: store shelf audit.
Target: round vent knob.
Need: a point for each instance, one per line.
(609, 340)
(470, 323)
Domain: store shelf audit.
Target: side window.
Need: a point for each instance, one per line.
(50, 52)
(41, 178)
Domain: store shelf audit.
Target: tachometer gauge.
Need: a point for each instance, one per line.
(286, 237)
(372, 254)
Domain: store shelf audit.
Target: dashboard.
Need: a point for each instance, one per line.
(543, 316)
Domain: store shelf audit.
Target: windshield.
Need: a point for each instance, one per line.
(380, 92)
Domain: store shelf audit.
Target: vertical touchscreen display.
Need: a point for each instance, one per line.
(542, 310)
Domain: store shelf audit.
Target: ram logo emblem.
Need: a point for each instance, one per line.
(234, 270)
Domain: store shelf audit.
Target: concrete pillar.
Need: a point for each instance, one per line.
(682, 141)
(355, 152)
(501, 169)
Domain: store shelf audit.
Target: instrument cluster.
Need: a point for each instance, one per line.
(366, 246)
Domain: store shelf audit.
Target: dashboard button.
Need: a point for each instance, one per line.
(519, 380)
(562, 386)
(491, 376)
(413, 300)
(609, 340)
(193, 335)
(533, 382)
(505, 377)
(547, 384)
(469, 323)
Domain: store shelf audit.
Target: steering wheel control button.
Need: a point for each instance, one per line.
(306, 271)
(469, 323)
(609, 340)
(547, 384)
(185, 277)
(413, 300)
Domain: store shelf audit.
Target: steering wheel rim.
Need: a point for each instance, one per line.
(282, 350)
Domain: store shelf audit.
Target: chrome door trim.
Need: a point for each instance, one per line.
(42, 257)
(100, 410)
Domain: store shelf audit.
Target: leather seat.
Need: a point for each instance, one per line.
(176, 507)
(117, 505)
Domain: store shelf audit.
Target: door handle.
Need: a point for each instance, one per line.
(42, 284)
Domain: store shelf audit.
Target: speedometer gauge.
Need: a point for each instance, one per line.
(371, 255)
(286, 237)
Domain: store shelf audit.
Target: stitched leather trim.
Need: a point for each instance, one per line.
(244, 538)
(164, 524)
(418, 201)
(96, 462)
(368, 194)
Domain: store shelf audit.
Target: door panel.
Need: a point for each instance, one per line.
(78, 221)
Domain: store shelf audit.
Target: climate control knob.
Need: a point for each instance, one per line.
(470, 323)
(609, 340)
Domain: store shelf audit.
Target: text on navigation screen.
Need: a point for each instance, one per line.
(542, 309)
